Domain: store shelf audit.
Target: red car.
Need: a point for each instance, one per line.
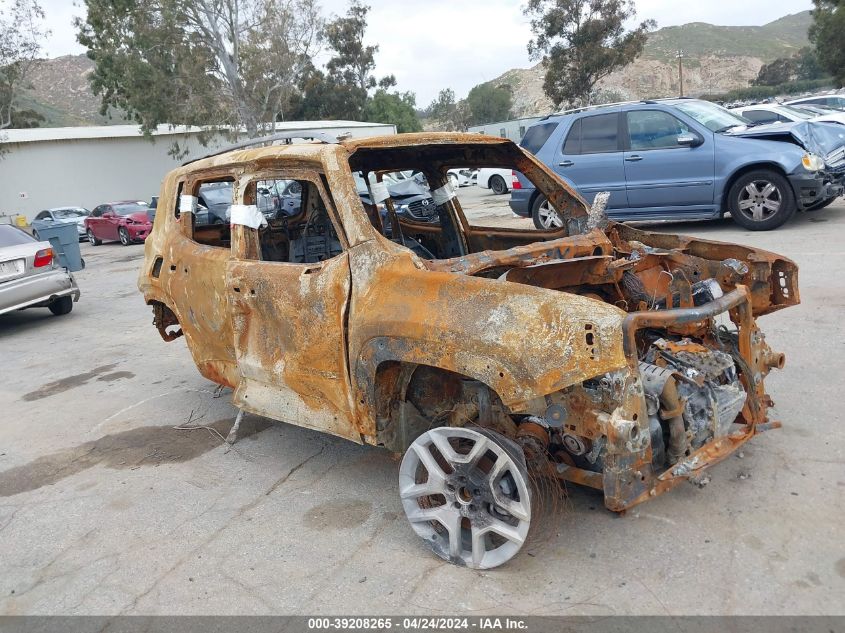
(126, 221)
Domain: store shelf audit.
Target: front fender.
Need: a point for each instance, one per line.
(522, 341)
(736, 154)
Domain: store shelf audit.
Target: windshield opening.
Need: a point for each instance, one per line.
(715, 118)
(452, 201)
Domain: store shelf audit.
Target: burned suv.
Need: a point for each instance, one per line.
(594, 353)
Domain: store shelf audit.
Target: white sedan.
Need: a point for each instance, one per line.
(499, 180)
(462, 177)
(776, 112)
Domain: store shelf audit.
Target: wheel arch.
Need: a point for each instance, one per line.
(406, 395)
(741, 171)
(164, 317)
(380, 350)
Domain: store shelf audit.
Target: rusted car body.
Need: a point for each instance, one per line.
(632, 360)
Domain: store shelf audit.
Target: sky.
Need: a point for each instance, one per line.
(433, 44)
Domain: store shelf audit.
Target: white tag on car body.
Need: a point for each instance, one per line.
(246, 215)
(443, 195)
(380, 192)
(187, 204)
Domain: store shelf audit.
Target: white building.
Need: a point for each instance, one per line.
(86, 166)
(513, 129)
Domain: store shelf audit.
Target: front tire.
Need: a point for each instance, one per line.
(497, 184)
(61, 306)
(544, 216)
(123, 234)
(35, 235)
(93, 238)
(761, 200)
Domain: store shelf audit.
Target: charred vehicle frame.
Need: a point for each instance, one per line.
(629, 361)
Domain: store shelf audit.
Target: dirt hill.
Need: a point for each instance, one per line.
(60, 92)
(717, 59)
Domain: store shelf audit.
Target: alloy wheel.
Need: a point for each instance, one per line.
(549, 218)
(759, 200)
(466, 493)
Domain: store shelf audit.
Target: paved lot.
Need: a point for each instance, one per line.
(105, 508)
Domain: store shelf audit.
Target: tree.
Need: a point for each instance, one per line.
(397, 108)
(21, 35)
(26, 119)
(450, 114)
(350, 69)
(581, 42)
(828, 34)
(779, 71)
(488, 103)
(199, 62)
(804, 65)
(809, 67)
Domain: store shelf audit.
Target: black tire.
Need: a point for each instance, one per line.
(761, 200)
(822, 204)
(497, 184)
(123, 234)
(35, 235)
(95, 241)
(62, 305)
(545, 218)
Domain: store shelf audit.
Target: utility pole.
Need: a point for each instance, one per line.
(680, 57)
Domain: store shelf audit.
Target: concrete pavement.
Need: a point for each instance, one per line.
(106, 509)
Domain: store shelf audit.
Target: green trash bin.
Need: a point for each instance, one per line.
(64, 238)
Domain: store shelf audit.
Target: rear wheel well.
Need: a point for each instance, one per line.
(165, 321)
(744, 170)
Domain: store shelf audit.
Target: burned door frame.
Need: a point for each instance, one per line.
(194, 275)
(289, 324)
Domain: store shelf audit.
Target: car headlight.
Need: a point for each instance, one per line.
(401, 208)
(812, 162)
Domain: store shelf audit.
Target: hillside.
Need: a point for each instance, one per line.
(780, 38)
(60, 92)
(717, 59)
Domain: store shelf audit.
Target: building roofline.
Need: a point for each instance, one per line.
(41, 134)
(522, 118)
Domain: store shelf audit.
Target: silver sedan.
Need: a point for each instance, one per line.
(30, 277)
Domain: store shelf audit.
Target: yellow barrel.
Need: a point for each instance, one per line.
(20, 220)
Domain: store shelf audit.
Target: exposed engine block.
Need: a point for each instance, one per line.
(693, 395)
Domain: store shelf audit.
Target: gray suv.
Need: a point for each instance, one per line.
(685, 159)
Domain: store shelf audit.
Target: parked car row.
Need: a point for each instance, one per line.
(673, 159)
